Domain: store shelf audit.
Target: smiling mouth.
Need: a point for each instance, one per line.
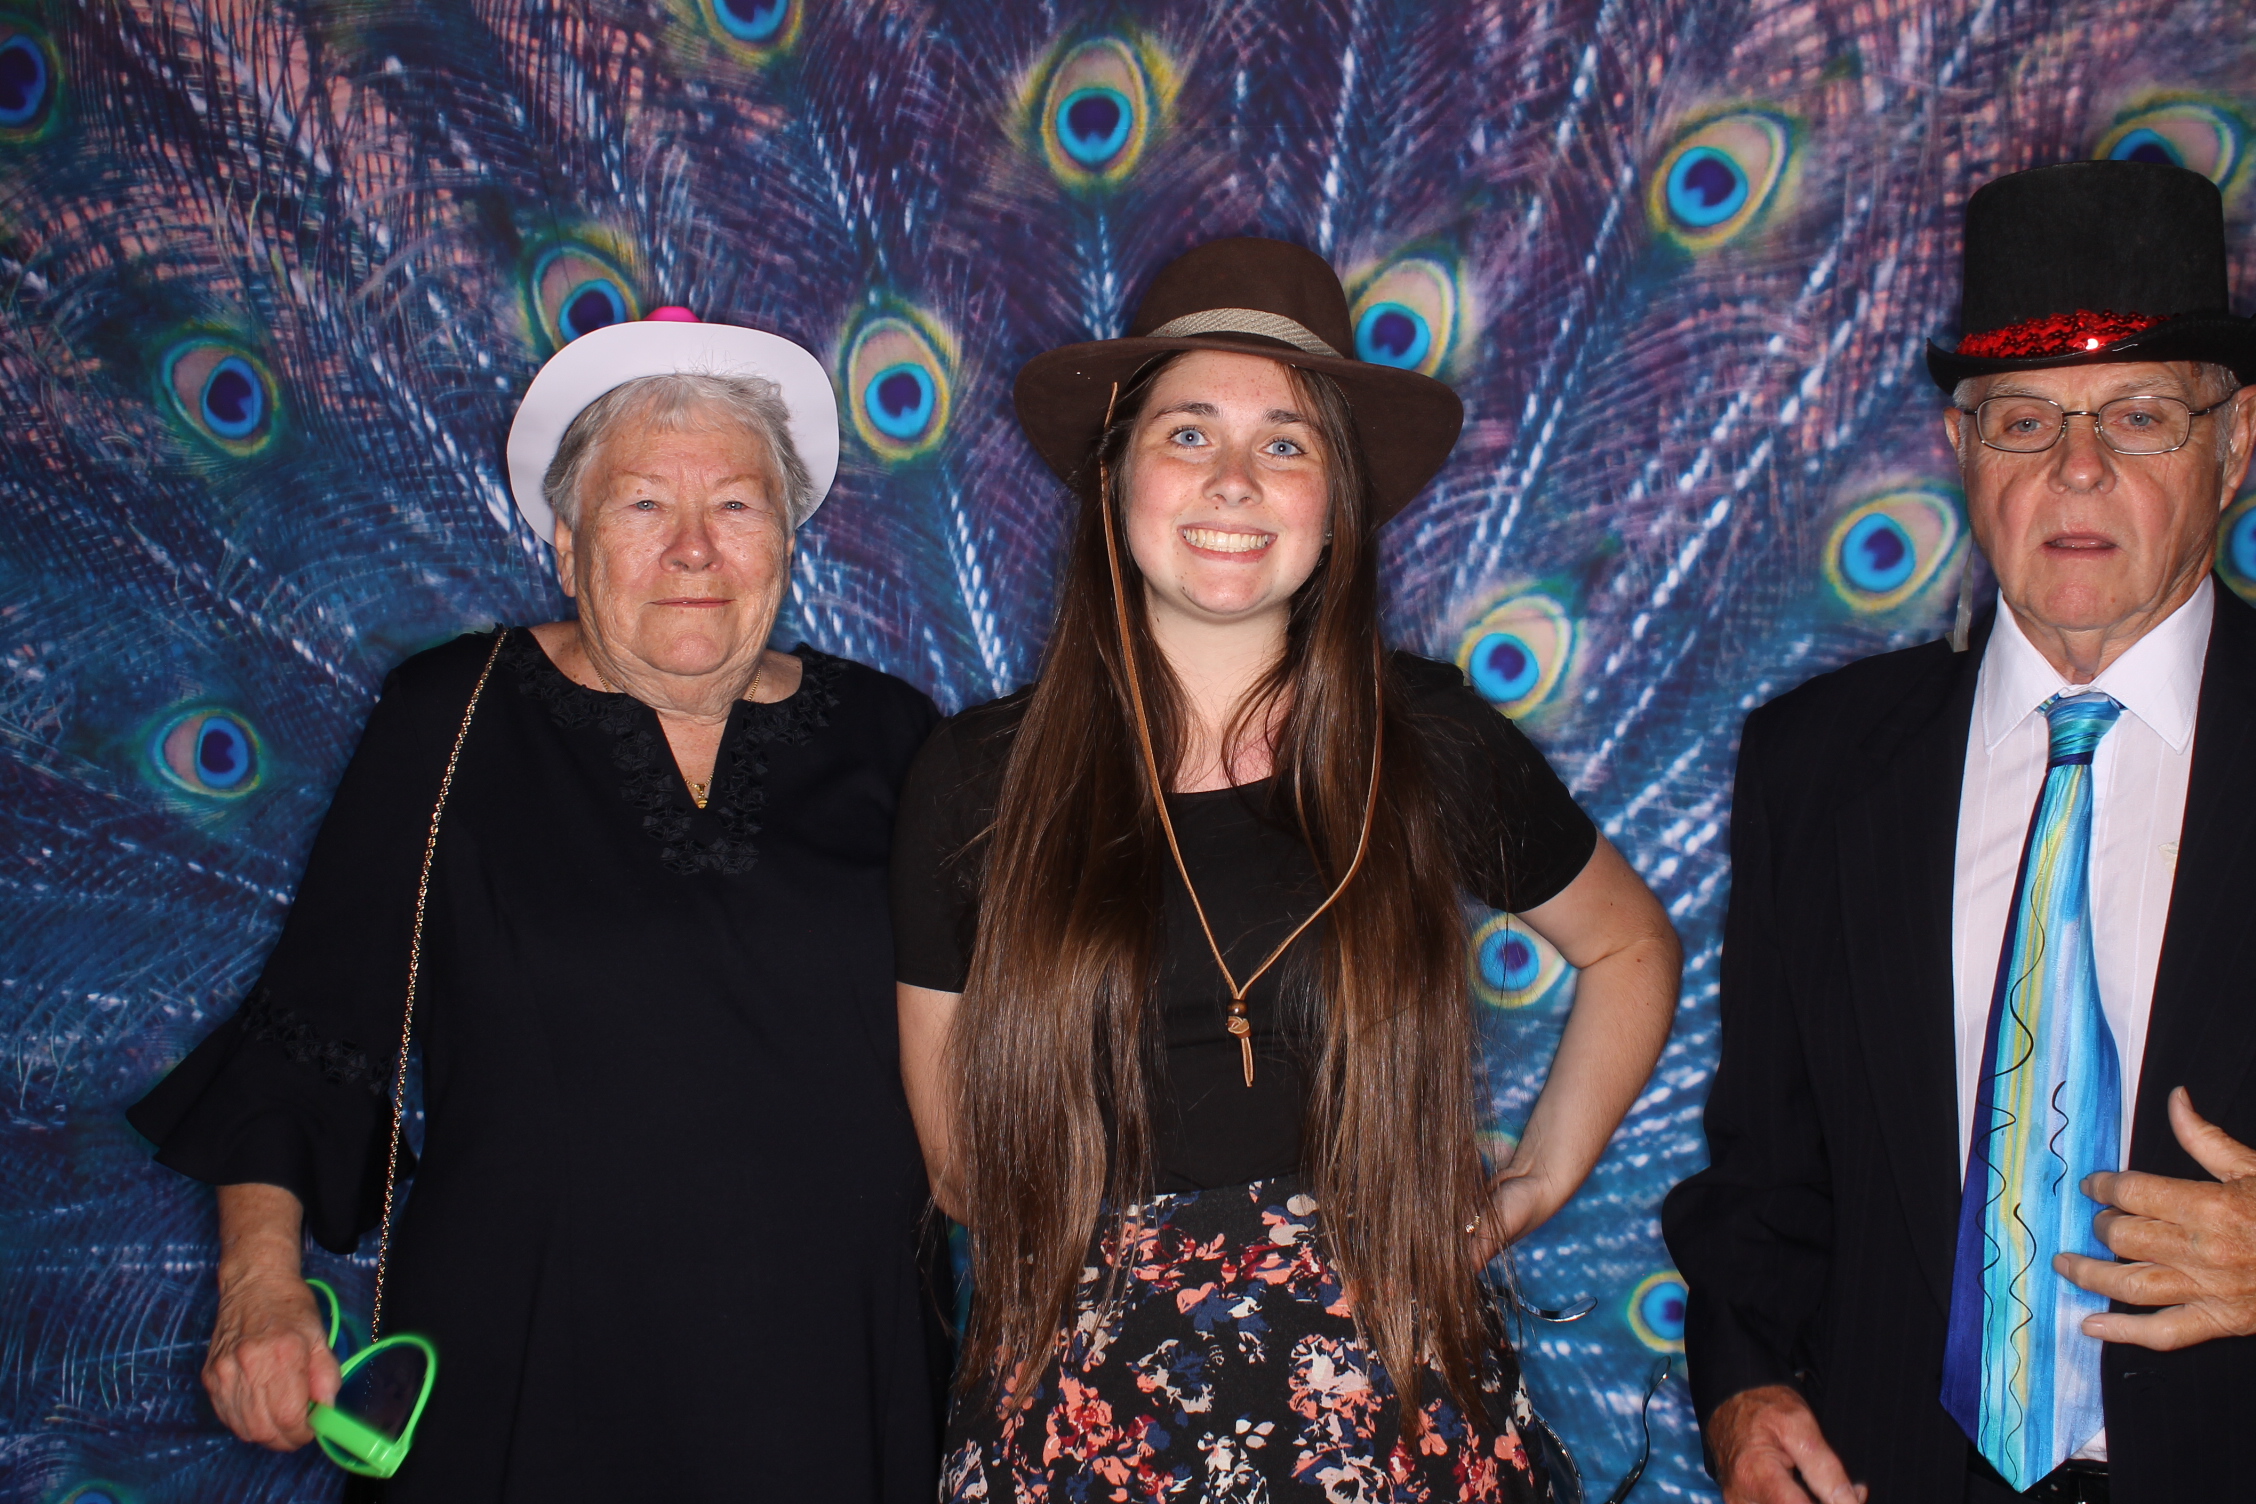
(2080, 543)
(1216, 541)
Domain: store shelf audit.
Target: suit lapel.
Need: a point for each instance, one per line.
(2202, 1032)
(1898, 848)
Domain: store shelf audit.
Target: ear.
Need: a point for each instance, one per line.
(2239, 428)
(1953, 422)
(564, 557)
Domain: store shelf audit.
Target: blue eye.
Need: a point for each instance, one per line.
(1093, 124)
(1656, 1310)
(1716, 180)
(25, 83)
(1884, 551)
(207, 751)
(751, 20)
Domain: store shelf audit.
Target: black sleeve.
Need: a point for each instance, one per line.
(292, 1090)
(1525, 837)
(946, 806)
(1752, 1232)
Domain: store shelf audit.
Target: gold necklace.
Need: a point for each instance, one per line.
(1239, 1024)
(699, 790)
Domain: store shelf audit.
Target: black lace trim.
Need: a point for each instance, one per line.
(338, 1060)
(651, 782)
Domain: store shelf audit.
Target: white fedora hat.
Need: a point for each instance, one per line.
(669, 342)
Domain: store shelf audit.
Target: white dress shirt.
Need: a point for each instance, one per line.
(2139, 779)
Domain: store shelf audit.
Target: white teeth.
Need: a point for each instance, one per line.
(1227, 543)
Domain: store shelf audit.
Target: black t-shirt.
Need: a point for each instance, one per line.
(1256, 880)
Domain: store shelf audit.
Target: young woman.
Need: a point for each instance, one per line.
(1184, 1014)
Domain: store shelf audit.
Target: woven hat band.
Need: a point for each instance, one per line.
(1245, 321)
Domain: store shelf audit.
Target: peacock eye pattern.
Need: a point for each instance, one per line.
(1884, 551)
(207, 751)
(753, 30)
(577, 291)
(1518, 651)
(2205, 137)
(2236, 545)
(223, 392)
(1098, 111)
(1655, 1309)
(27, 83)
(1717, 180)
(1407, 314)
(898, 384)
(1512, 965)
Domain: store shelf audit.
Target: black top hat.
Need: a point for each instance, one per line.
(2092, 262)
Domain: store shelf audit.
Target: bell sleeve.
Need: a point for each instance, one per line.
(294, 1089)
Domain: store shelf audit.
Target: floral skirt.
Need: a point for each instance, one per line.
(1227, 1368)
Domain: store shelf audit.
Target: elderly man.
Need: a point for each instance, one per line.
(1987, 1023)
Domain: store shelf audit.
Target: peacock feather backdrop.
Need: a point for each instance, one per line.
(274, 272)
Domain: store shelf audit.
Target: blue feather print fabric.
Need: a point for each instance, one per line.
(272, 277)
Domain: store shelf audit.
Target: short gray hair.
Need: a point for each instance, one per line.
(669, 403)
(2218, 379)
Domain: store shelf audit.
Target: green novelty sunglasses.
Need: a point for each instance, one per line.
(369, 1427)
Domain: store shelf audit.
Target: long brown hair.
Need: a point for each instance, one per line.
(1059, 1023)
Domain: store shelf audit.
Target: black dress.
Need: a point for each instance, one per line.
(1228, 1364)
(664, 1231)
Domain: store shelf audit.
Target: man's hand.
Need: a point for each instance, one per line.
(1769, 1450)
(2192, 1244)
(270, 1355)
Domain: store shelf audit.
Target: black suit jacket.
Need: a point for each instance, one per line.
(1817, 1244)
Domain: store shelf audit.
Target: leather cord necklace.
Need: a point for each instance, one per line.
(1240, 1025)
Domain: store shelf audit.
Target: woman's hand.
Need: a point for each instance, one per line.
(1610, 927)
(270, 1357)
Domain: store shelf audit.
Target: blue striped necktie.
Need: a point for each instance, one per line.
(2019, 1374)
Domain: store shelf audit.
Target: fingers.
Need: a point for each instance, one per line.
(2163, 1331)
(2212, 1148)
(323, 1376)
(1770, 1450)
(261, 1389)
(2165, 1198)
(1821, 1470)
(2133, 1284)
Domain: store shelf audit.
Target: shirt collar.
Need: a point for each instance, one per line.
(2158, 678)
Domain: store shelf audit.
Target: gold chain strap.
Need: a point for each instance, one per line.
(414, 972)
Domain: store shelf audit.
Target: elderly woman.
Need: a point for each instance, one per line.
(664, 1225)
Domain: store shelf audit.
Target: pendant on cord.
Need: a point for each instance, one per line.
(1241, 1026)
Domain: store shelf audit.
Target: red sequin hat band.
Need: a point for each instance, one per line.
(2077, 333)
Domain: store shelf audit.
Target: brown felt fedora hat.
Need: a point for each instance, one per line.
(1252, 297)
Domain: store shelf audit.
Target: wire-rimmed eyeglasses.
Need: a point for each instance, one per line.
(2127, 425)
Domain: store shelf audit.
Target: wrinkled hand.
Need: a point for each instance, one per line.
(1769, 1450)
(2192, 1245)
(269, 1360)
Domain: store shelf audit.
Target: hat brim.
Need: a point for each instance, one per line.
(616, 354)
(1408, 423)
(2218, 338)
